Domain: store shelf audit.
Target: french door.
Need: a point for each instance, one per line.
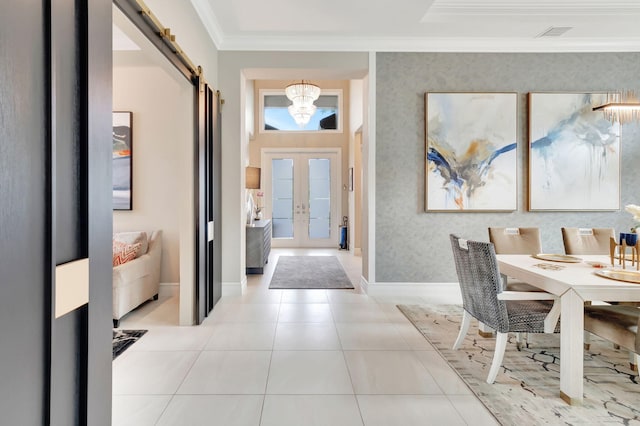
(301, 195)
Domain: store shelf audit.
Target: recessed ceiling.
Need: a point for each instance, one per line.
(422, 25)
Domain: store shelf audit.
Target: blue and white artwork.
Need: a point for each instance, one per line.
(574, 153)
(471, 159)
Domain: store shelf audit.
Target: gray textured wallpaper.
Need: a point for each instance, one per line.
(413, 246)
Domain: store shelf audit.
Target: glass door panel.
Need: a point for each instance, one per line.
(282, 197)
(319, 198)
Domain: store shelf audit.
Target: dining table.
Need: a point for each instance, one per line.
(575, 283)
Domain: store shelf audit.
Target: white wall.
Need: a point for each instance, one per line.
(356, 115)
(162, 129)
(183, 21)
(250, 112)
(368, 237)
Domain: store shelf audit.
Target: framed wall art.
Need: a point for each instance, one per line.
(122, 160)
(471, 155)
(574, 153)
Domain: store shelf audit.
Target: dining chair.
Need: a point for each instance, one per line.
(520, 241)
(484, 299)
(579, 241)
(516, 241)
(617, 324)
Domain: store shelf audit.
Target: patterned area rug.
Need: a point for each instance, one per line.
(526, 390)
(309, 272)
(122, 339)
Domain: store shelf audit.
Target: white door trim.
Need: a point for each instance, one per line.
(369, 168)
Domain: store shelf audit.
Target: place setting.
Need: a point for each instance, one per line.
(618, 252)
(552, 257)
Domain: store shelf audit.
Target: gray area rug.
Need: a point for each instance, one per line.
(526, 391)
(309, 272)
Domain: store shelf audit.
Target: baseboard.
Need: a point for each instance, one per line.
(432, 292)
(169, 289)
(234, 288)
(364, 284)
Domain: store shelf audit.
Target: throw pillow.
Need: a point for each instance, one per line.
(133, 238)
(123, 252)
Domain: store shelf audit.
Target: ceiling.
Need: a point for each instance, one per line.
(422, 25)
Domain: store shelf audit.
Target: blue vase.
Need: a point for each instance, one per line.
(631, 239)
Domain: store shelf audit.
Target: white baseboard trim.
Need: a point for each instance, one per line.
(429, 291)
(234, 288)
(364, 284)
(169, 289)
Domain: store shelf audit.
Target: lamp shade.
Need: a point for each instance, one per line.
(252, 177)
(622, 107)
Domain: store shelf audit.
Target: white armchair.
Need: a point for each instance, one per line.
(138, 280)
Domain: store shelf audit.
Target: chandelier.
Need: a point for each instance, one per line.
(302, 95)
(622, 107)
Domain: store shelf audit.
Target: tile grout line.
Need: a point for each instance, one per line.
(344, 357)
(273, 343)
(180, 384)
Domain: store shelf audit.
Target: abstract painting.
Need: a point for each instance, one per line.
(471, 156)
(574, 153)
(122, 155)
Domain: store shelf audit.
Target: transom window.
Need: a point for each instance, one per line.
(275, 117)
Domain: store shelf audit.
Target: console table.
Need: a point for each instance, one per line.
(258, 246)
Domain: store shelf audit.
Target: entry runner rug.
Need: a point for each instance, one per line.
(307, 272)
(122, 339)
(526, 391)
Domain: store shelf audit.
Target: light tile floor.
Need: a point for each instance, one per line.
(288, 357)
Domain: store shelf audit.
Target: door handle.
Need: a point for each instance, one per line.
(71, 286)
(210, 231)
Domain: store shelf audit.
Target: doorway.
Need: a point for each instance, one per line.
(172, 156)
(302, 196)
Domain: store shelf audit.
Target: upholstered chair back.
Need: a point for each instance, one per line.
(516, 240)
(579, 241)
(480, 282)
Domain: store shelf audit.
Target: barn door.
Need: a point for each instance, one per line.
(208, 208)
(214, 200)
(55, 212)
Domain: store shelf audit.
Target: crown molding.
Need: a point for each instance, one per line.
(534, 8)
(210, 21)
(416, 44)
